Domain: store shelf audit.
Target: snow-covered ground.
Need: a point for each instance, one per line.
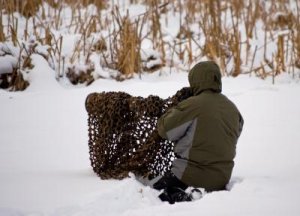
(45, 168)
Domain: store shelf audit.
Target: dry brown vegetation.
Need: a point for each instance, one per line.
(242, 36)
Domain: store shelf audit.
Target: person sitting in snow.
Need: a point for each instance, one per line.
(205, 128)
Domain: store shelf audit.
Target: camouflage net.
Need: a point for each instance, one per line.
(123, 137)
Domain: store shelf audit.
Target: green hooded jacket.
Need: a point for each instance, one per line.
(205, 129)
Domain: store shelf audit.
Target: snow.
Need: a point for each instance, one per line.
(45, 167)
(6, 65)
(151, 58)
(9, 48)
(44, 163)
(8, 59)
(42, 77)
(42, 50)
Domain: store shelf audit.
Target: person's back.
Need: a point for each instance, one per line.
(208, 158)
(205, 128)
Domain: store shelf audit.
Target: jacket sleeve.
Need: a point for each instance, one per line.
(241, 124)
(175, 122)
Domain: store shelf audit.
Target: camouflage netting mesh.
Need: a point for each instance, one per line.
(123, 137)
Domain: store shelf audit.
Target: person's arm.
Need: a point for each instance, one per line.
(175, 122)
(241, 124)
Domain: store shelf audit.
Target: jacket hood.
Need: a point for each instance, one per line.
(205, 76)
